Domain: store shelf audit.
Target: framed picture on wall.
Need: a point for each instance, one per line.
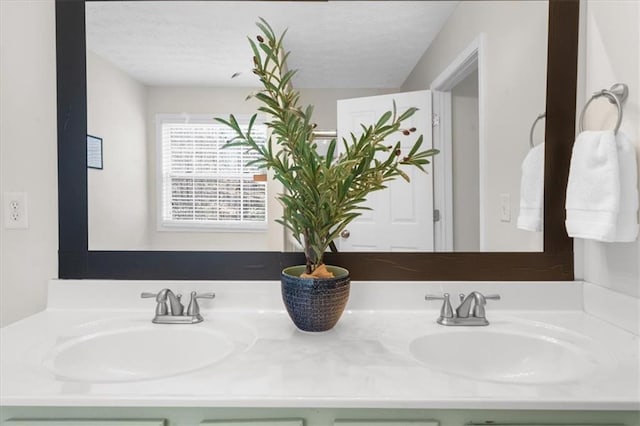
(94, 152)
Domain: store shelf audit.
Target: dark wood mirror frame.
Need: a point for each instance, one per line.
(76, 261)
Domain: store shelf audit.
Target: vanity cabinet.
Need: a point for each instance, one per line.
(200, 416)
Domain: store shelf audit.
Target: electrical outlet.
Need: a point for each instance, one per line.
(505, 207)
(15, 210)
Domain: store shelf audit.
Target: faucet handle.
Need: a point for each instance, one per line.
(194, 309)
(487, 297)
(446, 311)
(147, 295)
(478, 309)
(434, 297)
(205, 295)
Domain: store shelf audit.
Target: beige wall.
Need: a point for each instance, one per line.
(117, 194)
(514, 88)
(466, 166)
(612, 55)
(218, 102)
(28, 153)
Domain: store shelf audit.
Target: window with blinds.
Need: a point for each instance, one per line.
(204, 184)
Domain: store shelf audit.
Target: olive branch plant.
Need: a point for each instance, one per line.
(324, 193)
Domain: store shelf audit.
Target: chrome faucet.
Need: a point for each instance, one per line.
(173, 313)
(174, 302)
(464, 314)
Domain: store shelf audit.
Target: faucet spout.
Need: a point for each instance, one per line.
(174, 301)
(475, 299)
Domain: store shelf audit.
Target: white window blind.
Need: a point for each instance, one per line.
(204, 184)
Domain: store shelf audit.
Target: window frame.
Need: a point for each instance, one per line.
(198, 226)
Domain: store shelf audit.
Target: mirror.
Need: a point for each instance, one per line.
(158, 72)
(77, 261)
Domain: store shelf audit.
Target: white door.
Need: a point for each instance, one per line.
(402, 215)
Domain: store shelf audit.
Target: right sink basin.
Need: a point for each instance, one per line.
(531, 355)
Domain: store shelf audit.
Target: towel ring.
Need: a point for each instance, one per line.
(617, 94)
(533, 126)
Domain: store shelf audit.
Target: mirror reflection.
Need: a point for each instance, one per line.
(158, 72)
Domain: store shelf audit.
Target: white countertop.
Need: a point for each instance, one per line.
(363, 362)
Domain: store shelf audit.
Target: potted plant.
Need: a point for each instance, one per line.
(323, 193)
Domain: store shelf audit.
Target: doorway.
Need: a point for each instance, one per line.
(458, 132)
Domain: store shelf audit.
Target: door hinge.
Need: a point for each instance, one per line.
(435, 120)
(436, 215)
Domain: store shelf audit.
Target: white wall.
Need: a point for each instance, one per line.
(612, 55)
(28, 153)
(466, 166)
(117, 195)
(515, 88)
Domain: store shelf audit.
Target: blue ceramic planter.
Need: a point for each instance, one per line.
(315, 304)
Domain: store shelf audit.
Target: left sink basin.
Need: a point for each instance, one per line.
(134, 352)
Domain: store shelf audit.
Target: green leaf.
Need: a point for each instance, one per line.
(223, 121)
(265, 27)
(256, 53)
(251, 121)
(330, 152)
(382, 120)
(267, 50)
(286, 78)
(404, 175)
(416, 146)
(408, 113)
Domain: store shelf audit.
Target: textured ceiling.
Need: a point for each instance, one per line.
(336, 44)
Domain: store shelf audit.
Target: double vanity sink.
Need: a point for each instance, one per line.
(511, 351)
(536, 359)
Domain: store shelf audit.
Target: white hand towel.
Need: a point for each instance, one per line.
(530, 217)
(627, 220)
(593, 190)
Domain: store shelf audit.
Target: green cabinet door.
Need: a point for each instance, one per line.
(254, 422)
(385, 423)
(543, 424)
(44, 422)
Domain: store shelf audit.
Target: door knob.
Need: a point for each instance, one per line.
(345, 233)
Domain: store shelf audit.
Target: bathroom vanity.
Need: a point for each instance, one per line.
(95, 354)
(387, 358)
